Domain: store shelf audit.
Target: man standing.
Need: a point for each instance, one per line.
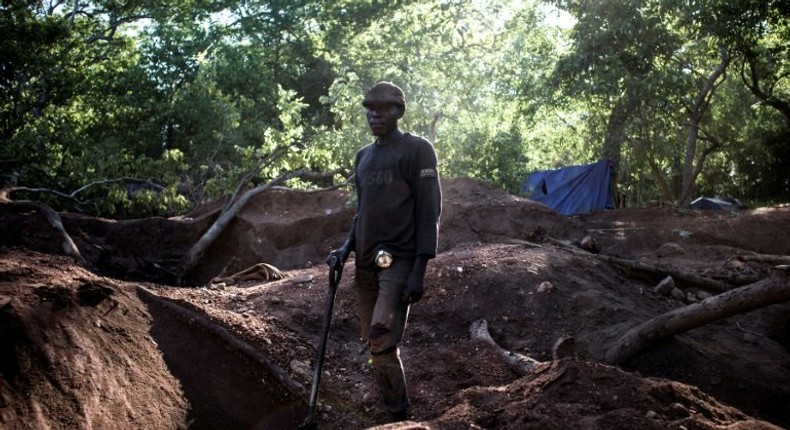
(393, 235)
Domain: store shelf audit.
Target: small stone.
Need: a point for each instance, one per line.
(678, 294)
(670, 249)
(545, 286)
(665, 286)
(564, 347)
(703, 295)
(589, 244)
(678, 411)
(304, 279)
(750, 338)
(301, 368)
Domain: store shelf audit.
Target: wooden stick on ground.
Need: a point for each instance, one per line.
(764, 258)
(680, 276)
(740, 300)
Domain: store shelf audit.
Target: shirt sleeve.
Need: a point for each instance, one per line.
(429, 200)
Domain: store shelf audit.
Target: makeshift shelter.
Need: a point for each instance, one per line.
(715, 203)
(573, 190)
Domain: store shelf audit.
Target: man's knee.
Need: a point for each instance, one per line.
(381, 340)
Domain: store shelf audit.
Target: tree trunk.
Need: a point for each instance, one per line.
(760, 294)
(695, 113)
(662, 182)
(615, 131)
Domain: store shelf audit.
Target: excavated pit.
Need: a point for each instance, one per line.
(228, 384)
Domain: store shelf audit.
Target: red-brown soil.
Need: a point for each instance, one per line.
(115, 344)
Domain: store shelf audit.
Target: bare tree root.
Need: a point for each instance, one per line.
(72, 196)
(740, 300)
(520, 363)
(53, 218)
(688, 279)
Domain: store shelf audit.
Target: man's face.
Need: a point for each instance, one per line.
(383, 117)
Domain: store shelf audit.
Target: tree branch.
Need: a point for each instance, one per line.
(679, 275)
(744, 299)
(200, 248)
(73, 195)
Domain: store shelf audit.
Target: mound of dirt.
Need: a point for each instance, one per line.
(77, 351)
(89, 350)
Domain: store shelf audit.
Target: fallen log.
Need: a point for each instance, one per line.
(764, 258)
(688, 279)
(738, 279)
(740, 300)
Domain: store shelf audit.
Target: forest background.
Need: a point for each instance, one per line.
(138, 108)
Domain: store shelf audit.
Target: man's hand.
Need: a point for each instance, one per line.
(414, 290)
(338, 257)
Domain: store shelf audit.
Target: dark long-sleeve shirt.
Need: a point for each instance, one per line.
(399, 200)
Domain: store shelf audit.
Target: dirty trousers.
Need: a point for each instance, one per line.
(382, 318)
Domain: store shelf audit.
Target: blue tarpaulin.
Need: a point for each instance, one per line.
(573, 190)
(714, 203)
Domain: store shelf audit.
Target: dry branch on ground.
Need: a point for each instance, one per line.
(686, 278)
(744, 299)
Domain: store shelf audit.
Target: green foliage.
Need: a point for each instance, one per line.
(645, 64)
(458, 64)
(195, 99)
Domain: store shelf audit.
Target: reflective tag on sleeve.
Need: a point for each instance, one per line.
(428, 173)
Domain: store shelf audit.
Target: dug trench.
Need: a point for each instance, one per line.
(228, 383)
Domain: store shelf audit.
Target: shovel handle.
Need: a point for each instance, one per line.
(335, 273)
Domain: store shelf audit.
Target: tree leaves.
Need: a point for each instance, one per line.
(204, 97)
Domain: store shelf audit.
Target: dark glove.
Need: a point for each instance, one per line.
(414, 290)
(338, 257)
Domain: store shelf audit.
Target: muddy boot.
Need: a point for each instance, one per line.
(398, 416)
(392, 382)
